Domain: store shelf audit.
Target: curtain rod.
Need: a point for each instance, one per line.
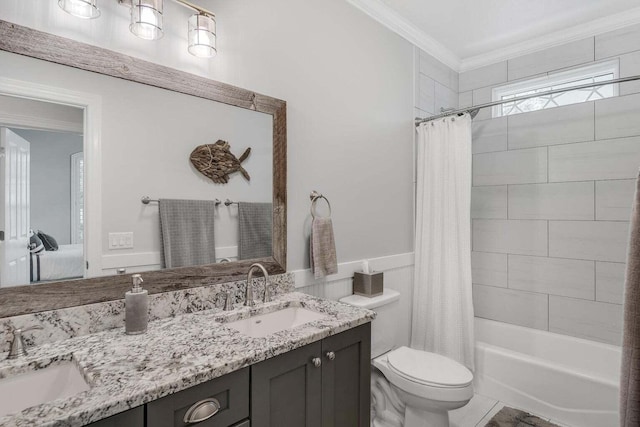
(522, 98)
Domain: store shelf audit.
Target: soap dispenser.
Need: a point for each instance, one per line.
(136, 303)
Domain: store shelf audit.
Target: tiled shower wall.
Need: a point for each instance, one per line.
(436, 85)
(552, 194)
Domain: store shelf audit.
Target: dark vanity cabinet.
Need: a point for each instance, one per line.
(221, 402)
(323, 384)
(131, 418)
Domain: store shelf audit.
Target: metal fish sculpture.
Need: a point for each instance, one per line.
(216, 162)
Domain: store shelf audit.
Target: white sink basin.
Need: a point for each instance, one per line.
(33, 388)
(270, 323)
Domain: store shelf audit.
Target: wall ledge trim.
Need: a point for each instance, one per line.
(346, 269)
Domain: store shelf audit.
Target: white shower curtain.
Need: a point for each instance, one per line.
(442, 301)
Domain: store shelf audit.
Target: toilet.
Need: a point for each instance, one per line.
(428, 384)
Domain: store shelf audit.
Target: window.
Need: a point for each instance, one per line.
(565, 79)
(77, 198)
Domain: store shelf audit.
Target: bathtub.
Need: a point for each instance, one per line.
(570, 380)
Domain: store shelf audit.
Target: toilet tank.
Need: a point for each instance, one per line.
(384, 328)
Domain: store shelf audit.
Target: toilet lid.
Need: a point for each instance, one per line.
(429, 368)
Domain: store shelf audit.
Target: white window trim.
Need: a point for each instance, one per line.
(554, 79)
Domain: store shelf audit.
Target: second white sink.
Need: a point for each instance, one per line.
(40, 386)
(270, 323)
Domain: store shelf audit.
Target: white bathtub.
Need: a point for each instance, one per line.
(570, 380)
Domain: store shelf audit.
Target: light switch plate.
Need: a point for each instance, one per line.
(121, 240)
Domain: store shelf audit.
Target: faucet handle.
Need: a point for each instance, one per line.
(267, 292)
(228, 303)
(17, 348)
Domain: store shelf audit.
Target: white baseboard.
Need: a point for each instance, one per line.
(346, 269)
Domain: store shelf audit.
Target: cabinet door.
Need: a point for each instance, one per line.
(285, 390)
(228, 394)
(346, 378)
(131, 418)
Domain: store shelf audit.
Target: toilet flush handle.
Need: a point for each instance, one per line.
(331, 355)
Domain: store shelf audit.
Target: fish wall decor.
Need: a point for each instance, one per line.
(216, 162)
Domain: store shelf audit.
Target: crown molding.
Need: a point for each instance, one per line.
(567, 35)
(388, 17)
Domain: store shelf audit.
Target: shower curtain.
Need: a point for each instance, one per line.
(442, 301)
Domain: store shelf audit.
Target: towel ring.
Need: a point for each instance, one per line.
(315, 196)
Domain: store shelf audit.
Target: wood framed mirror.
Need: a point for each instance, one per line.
(241, 110)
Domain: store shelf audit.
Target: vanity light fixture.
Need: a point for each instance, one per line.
(202, 35)
(146, 19)
(86, 9)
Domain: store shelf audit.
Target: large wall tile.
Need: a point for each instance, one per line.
(560, 125)
(510, 236)
(489, 202)
(556, 276)
(617, 42)
(489, 269)
(566, 55)
(445, 98)
(511, 306)
(589, 240)
(510, 167)
(610, 281)
(465, 99)
(597, 160)
(426, 94)
(485, 76)
(618, 117)
(438, 71)
(572, 200)
(489, 135)
(630, 66)
(586, 319)
(614, 199)
(482, 96)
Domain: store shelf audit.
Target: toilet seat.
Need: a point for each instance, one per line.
(428, 369)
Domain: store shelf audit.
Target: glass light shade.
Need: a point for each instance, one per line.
(146, 19)
(202, 36)
(87, 9)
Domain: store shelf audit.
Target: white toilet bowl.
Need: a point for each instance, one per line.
(430, 385)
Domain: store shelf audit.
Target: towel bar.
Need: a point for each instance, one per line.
(146, 200)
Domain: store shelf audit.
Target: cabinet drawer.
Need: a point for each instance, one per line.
(231, 392)
(131, 418)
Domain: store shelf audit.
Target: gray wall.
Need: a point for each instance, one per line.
(51, 181)
(552, 193)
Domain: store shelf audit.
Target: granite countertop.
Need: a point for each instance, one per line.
(125, 371)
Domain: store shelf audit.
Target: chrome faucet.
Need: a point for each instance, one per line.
(248, 301)
(18, 346)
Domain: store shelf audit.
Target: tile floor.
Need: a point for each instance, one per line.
(480, 410)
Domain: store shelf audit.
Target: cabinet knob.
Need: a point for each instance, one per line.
(316, 362)
(331, 355)
(201, 411)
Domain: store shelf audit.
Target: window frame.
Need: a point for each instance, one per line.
(554, 79)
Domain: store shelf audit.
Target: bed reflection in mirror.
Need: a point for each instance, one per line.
(55, 227)
(42, 192)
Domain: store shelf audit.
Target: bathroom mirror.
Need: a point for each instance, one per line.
(92, 152)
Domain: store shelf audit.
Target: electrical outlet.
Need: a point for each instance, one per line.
(121, 240)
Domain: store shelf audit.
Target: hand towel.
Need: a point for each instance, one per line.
(255, 222)
(323, 248)
(186, 230)
(630, 374)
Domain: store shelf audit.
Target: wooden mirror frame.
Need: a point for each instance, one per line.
(55, 295)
